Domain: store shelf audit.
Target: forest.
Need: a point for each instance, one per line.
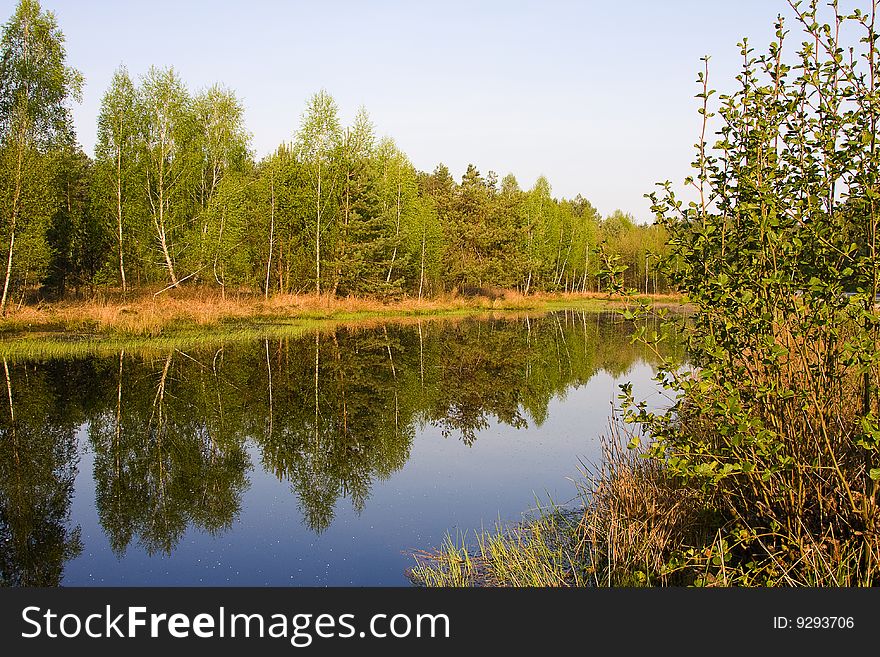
(174, 195)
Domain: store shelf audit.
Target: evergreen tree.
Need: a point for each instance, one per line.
(77, 241)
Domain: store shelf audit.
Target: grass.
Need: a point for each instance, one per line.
(543, 551)
(149, 315)
(36, 345)
(635, 517)
(192, 317)
(637, 526)
(631, 517)
(43, 346)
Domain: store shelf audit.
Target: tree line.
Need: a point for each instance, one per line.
(174, 195)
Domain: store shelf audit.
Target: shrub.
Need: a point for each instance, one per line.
(776, 422)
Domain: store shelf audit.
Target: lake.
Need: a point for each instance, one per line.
(322, 458)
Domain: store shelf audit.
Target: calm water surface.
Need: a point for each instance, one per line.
(319, 460)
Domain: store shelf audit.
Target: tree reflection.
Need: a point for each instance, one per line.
(339, 418)
(330, 413)
(38, 465)
(167, 453)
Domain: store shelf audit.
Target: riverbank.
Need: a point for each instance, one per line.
(186, 310)
(616, 532)
(631, 524)
(636, 522)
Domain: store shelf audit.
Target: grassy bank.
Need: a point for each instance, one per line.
(190, 310)
(633, 525)
(636, 523)
(627, 519)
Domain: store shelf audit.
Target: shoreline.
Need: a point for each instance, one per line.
(146, 317)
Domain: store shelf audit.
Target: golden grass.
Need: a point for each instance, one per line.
(146, 314)
(636, 517)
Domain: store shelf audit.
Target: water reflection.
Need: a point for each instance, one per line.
(38, 460)
(167, 452)
(330, 413)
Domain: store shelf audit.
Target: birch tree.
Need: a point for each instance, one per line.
(167, 141)
(115, 154)
(358, 145)
(318, 138)
(398, 190)
(222, 148)
(35, 85)
(223, 140)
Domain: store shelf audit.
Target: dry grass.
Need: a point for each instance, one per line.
(636, 517)
(640, 526)
(145, 314)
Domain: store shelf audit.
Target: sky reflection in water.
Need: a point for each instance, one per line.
(230, 466)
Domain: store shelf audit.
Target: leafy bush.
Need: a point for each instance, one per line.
(776, 422)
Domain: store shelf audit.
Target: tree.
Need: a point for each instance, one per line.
(282, 201)
(439, 188)
(537, 237)
(775, 425)
(398, 190)
(223, 140)
(583, 264)
(116, 156)
(318, 139)
(222, 150)
(77, 241)
(225, 230)
(167, 142)
(427, 241)
(35, 85)
(357, 177)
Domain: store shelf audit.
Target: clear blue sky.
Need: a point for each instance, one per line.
(597, 96)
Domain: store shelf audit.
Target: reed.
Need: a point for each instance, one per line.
(542, 551)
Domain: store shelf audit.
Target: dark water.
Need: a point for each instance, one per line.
(317, 460)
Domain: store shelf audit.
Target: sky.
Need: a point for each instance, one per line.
(598, 96)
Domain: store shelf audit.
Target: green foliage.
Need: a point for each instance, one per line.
(116, 188)
(28, 203)
(169, 146)
(175, 196)
(35, 84)
(222, 158)
(777, 419)
(78, 242)
(318, 143)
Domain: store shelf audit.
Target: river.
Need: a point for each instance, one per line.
(320, 459)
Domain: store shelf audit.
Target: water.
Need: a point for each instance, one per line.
(325, 459)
